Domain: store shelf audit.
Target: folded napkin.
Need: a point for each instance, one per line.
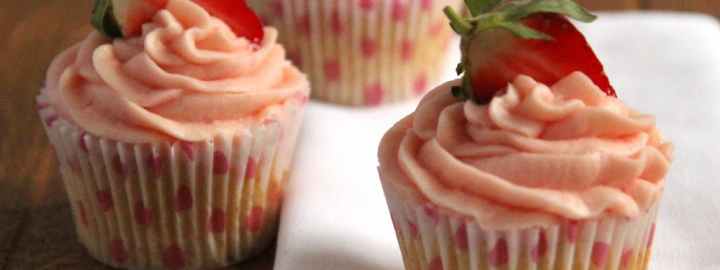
(667, 64)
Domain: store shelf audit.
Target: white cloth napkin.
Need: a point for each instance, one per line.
(667, 64)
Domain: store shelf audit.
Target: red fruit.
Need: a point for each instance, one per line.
(497, 56)
(236, 14)
(124, 18)
(132, 14)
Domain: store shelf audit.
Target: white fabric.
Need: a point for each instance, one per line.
(667, 64)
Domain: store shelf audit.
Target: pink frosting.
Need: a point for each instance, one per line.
(532, 155)
(188, 77)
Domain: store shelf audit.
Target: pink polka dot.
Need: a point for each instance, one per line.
(254, 220)
(426, 5)
(625, 259)
(277, 8)
(155, 164)
(105, 200)
(540, 250)
(173, 257)
(499, 254)
(50, 120)
(572, 231)
(436, 264)
(399, 10)
(367, 5)
(336, 23)
(143, 215)
(407, 50)
(431, 213)
(83, 214)
(437, 27)
(374, 94)
(303, 25)
(332, 70)
(81, 142)
(652, 236)
(187, 150)
(250, 168)
(118, 252)
(221, 165)
(461, 237)
(217, 220)
(421, 83)
(413, 230)
(600, 254)
(368, 47)
(183, 199)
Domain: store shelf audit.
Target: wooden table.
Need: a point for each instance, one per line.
(36, 230)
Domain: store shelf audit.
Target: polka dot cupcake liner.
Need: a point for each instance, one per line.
(435, 239)
(364, 52)
(176, 205)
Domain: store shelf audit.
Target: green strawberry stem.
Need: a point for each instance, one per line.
(103, 19)
(459, 24)
(509, 15)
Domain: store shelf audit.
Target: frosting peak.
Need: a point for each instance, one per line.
(534, 153)
(188, 77)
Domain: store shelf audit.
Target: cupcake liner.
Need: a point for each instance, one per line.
(175, 205)
(362, 52)
(432, 238)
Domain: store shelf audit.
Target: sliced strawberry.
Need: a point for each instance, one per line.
(136, 13)
(132, 14)
(497, 56)
(241, 19)
(504, 39)
(124, 18)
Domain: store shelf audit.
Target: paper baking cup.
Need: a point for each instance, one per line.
(175, 205)
(435, 239)
(364, 52)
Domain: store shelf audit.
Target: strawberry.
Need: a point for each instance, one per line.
(124, 18)
(502, 40)
(236, 13)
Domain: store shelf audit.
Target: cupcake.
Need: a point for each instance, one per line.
(529, 161)
(174, 125)
(363, 52)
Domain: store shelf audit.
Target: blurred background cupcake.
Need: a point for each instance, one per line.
(363, 52)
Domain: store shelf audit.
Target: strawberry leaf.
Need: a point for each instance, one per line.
(565, 7)
(103, 19)
(523, 31)
(459, 24)
(478, 7)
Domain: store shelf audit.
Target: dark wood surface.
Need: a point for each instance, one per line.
(36, 230)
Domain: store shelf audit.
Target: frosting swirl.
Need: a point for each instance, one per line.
(532, 155)
(188, 77)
